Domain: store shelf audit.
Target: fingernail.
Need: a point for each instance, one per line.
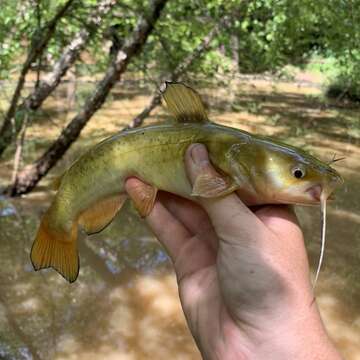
(199, 154)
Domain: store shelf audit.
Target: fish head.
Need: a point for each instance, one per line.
(292, 176)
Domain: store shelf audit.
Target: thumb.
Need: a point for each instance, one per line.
(225, 210)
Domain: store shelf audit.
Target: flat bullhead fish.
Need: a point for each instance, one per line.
(91, 191)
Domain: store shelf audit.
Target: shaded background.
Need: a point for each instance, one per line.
(75, 72)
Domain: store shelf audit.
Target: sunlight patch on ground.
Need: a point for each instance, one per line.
(346, 337)
(145, 321)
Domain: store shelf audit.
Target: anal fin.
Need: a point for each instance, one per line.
(99, 215)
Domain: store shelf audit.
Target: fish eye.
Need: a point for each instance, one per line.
(298, 172)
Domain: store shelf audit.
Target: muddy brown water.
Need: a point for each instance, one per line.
(124, 304)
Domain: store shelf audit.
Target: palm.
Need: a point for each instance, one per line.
(243, 276)
(229, 276)
(193, 245)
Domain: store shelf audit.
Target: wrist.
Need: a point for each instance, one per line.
(295, 331)
(297, 334)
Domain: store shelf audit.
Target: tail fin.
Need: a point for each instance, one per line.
(56, 249)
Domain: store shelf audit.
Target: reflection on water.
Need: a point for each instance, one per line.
(125, 305)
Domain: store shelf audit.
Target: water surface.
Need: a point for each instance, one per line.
(124, 304)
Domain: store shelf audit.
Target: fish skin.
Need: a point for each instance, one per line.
(156, 153)
(91, 192)
(258, 168)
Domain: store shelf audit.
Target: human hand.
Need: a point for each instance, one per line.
(243, 276)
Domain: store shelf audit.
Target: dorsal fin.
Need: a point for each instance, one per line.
(184, 103)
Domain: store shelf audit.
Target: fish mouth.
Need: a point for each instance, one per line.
(315, 191)
(325, 190)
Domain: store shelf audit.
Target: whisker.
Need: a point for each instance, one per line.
(338, 159)
(334, 159)
(323, 199)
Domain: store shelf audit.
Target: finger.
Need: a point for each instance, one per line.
(225, 212)
(281, 220)
(192, 216)
(288, 240)
(188, 253)
(188, 212)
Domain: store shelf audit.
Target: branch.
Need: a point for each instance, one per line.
(181, 68)
(38, 44)
(139, 119)
(32, 174)
(52, 80)
(19, 149)
(38, 17)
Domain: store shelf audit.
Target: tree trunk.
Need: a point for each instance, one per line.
(19, 149)
(31, 174)
(40, 40)
(71, 93)
(52, 80)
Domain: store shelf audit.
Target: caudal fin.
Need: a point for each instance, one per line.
(56, 249)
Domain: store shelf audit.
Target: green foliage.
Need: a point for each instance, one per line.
(341, 19)
(344, 87)
(15, 21)
(265, 35)
(341, 74)
(181, 28)
(19, 27)
(273, 33)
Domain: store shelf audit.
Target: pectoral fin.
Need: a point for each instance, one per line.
(99, 215)
(184, 103)
(209, 185)
(143, 196)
